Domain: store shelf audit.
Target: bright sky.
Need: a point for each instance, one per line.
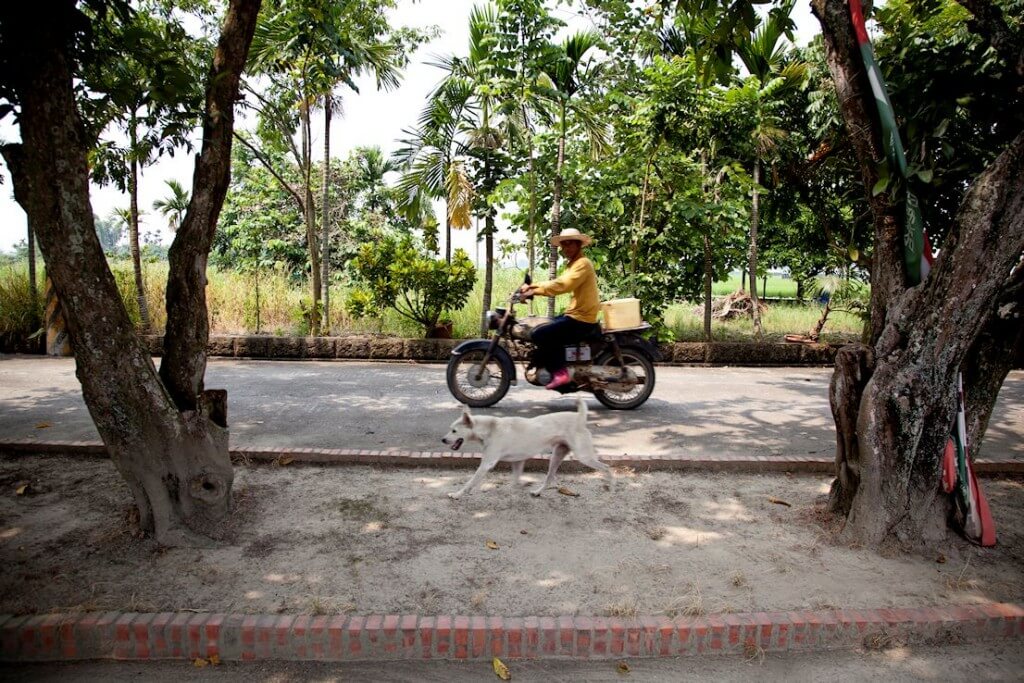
(369, 118)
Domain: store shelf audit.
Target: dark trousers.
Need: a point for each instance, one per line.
(553, 336)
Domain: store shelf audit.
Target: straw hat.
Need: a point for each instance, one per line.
(570, 234)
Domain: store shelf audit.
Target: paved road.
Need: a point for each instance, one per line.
(1002, 661)
(403, 406)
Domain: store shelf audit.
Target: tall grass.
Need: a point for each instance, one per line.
(231, 299)
(20, 315)
(686, 321)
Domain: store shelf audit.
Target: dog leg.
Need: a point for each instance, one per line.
(486, 465)
(557, 456)
(585, 454)
(517, 471)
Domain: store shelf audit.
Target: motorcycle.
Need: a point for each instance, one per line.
(617, 366)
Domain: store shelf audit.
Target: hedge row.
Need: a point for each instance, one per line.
(397, 348)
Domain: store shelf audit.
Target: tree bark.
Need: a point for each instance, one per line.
(175, 462)
(133, 225)
(556, 212)
(188, 331)
(325, 221)
(488, 268)
(964, 317)
(531, 229)
(309, 216)
(755, 218)
(856, 105)
(708, 277)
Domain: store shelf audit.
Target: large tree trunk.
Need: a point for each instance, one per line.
(175, 462)
(893, 420)
(133, 225)
(325, 221)
(184, 362)
(755, 219)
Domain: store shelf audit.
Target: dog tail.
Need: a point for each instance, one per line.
(581, 410)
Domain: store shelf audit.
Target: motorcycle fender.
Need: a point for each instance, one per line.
(641, 344)
(500, 355)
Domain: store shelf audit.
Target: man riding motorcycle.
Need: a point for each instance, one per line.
(580, 319)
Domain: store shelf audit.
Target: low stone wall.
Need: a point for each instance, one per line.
(397, 348)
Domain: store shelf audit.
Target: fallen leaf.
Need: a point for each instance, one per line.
(492, 545)
(215, 659)
(21, 489)
(567, 492)
(779, 501)
(941, 559)
(522, 531)
(43, 425)
(199, 662)
(285, 461)
(622, 668)
(500, 670)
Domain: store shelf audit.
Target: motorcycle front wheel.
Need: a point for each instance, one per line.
(475, 385)
(627, 396)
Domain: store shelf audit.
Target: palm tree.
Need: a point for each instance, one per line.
(430, 157)
(569, 74)
(371, 167)
(772, 79)
(473, 89)
(174, 206)
(131, 217)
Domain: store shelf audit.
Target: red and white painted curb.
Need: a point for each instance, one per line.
(239, 637)
(342, 456)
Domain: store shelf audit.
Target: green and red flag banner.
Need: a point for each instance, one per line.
(917, 251)
(957, 473)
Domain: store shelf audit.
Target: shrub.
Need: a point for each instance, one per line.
(395, 273)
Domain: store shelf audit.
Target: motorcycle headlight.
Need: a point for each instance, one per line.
(492, 320)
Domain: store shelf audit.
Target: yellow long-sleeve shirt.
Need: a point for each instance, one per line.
(580, 278)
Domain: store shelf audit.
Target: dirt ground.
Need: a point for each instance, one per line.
(361, 539)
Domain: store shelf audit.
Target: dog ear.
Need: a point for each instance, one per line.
(467, 418)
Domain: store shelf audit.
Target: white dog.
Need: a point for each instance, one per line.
(516, 439)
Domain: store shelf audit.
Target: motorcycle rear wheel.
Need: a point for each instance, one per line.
(471, 386)
(641, 366)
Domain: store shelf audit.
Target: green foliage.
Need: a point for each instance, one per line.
(399, 275)
(956, 103)
(20, 315)
(144, 79)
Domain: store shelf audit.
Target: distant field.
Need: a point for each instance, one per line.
(687, 324)
(777, 287)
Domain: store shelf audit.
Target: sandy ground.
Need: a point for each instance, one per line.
(374, 540)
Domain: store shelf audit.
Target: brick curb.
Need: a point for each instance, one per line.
(386, 348)
(808, 464)
(242, 637)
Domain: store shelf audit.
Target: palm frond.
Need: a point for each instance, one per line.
(460, 196)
